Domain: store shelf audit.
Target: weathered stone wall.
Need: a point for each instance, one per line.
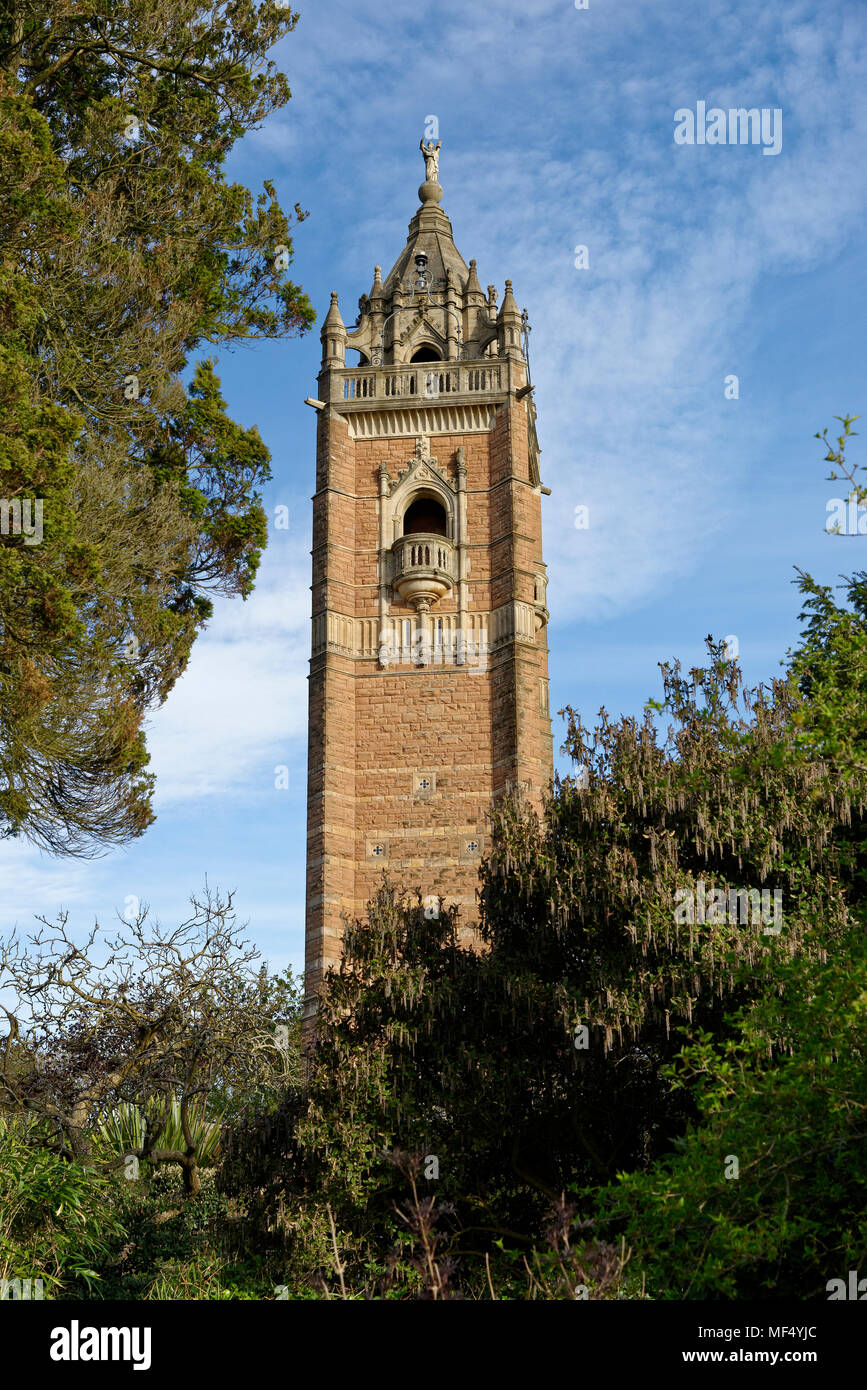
(405, 761)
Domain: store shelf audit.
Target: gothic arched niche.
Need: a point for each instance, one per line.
(425, 515)
(421, 478)
(426, 354)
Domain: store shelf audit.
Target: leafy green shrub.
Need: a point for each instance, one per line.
(166, 1247)
(55, 1218)
(767, 1194)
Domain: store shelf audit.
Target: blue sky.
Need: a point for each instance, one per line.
(705, 261)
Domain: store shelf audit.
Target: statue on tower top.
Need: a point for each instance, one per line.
(431, 154)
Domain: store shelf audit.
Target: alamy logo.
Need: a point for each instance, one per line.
(855, 1288)
(436, 648)
(20, 1289)
(77, 1343)
(716, 906)
(737, 126)
(846, 516)
(21, 516)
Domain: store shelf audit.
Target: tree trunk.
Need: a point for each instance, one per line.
(192, 1183)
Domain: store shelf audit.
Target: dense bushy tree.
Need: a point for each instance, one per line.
(478, 1059)
(785, 1095)
(123, 248)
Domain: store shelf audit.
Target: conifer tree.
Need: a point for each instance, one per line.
(123, 248)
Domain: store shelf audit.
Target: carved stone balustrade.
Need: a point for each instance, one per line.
(424, 569)
(427, 381)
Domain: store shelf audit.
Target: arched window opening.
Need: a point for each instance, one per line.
(426, 354)
(425, 516)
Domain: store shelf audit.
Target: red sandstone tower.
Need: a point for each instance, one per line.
(429, 667)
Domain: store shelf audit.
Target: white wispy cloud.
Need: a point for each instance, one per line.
(242, 703)
(34, 883)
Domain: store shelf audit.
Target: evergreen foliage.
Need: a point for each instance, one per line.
(123, 248)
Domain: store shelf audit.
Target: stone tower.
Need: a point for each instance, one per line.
(429, 667)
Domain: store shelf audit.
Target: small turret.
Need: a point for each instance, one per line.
(509, 325)
(333, 336)
(473, 294)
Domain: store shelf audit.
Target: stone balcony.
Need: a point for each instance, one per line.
(424, 569)
(423, 381)
(421, 397)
